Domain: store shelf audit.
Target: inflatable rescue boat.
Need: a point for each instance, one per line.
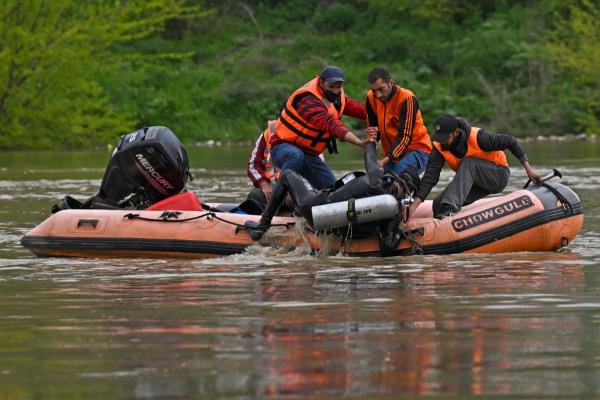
(542, 217)
(143, 210)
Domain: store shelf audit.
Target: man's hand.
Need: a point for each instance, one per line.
(352, 138)
(267, 189)
(371, 133)
(381, 163)
(531, 173)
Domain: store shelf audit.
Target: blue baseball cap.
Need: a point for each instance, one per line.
(332, 74)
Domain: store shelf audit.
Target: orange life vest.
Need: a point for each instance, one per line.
(473, 150)
(270, 171)
(388, 116)
(292, 128)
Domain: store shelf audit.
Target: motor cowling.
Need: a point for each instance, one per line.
(147, 166)
(354, 211)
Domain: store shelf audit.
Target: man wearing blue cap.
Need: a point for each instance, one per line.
(477, 156)
(310, 122)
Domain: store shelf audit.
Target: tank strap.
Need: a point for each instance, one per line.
(351, 212)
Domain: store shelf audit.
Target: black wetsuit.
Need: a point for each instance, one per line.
(305, 196)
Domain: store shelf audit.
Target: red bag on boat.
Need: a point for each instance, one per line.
(186, 201)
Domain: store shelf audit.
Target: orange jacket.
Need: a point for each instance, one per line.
(270, 171)
(473, 150)
(414, 136)
(259, 167)
(292, 128)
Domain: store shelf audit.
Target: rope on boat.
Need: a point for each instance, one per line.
(173, 216)
(415, 248)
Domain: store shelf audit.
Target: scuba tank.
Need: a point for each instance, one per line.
(354, 211)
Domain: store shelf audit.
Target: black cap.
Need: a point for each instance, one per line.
(444, 126)
(332, 74)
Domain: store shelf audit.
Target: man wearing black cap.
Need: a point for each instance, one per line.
(310, 122)
(477, 157)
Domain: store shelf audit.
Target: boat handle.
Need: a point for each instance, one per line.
(92, 222)
(554, 173)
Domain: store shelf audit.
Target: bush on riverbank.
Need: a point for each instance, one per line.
(528, 69)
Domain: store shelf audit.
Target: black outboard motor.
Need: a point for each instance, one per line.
(147, 166)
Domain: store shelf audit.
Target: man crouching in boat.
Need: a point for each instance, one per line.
(375, 182)
(477, 157)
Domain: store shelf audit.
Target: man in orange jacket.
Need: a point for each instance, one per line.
(260, 168)
(477, 157)
(394, 118)
(310, 122)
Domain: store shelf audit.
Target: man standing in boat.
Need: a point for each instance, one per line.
(393, 115)
(310, 122)
(477, 156)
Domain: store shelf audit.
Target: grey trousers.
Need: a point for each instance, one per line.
(475, 179)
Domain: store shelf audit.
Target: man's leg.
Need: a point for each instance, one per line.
(317, 172)
(415, 159)
(475, 178)
(489, 179)
(303, 194)
(287, 156)
(257, 229)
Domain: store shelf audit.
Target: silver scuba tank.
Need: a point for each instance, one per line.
(356, 211)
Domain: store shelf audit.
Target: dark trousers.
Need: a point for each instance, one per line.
(313, 168)
(475, 179)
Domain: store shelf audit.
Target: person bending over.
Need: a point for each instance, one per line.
(309, 124)
(477, 157)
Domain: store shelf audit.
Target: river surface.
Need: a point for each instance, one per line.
(267, 324)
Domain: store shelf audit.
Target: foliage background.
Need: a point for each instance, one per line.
(79, 74)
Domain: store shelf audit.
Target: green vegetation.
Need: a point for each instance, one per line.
(76, 74)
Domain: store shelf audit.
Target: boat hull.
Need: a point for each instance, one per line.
(536, 219)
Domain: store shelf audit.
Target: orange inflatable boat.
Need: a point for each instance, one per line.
(541, 218)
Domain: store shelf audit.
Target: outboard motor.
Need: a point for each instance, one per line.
(147, 166)
(355, 211)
